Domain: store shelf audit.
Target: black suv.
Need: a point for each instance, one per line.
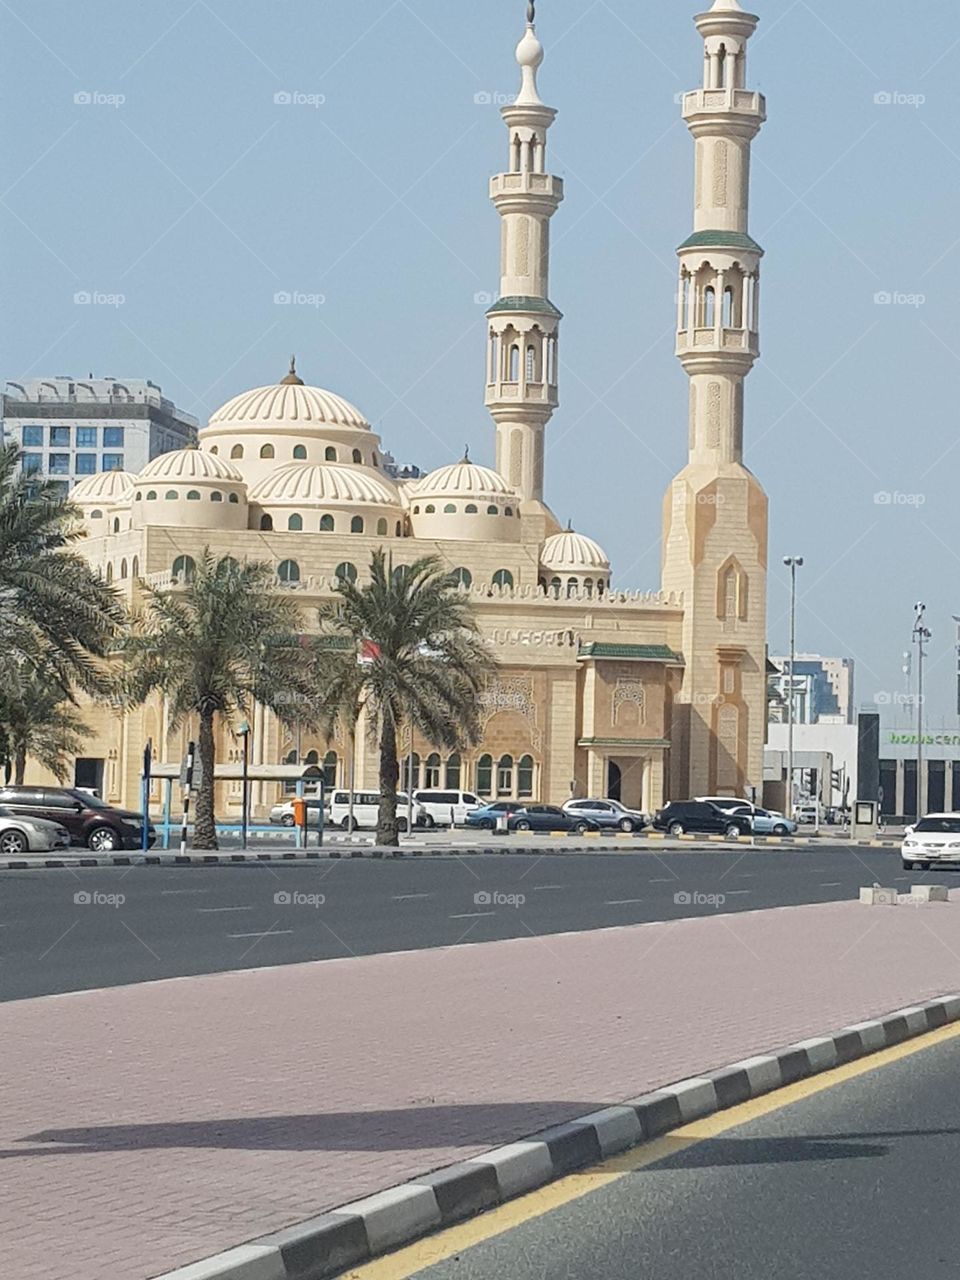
(701, 818)
(90, 820)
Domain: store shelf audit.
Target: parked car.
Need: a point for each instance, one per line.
(547, 817)
(607, 813)
(446, 808)
(935, 838)
(766, 822)
(89, 820)
(366, 811)
(700, 817)
(807, 814)
(283, 813)
(30, 835)
(726, 803)
(486, 816)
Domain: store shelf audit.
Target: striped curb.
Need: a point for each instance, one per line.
(355, 1233)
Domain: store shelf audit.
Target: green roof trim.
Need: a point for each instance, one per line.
(542, 306)
(631, 652)
(721, 240)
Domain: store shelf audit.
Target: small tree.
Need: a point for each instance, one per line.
(405, 648)
(37, 720)
(228, 639)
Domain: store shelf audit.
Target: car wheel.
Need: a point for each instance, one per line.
(347, 825)
(401, 824)
(627, 825)
(732, 832)
(486, 825)
(287, 820)
(921, 866)
(522, 825)
(12, 842)
(102, 840)
(428, 821)
(781, 830)
(676, 828)
(581, 828)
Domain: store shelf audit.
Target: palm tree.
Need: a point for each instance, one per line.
(56, 612)
(37, 720)
(404, 647)
(228, 639)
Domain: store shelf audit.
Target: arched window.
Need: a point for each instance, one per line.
(449, 509)
(216, 496)
(503, 578)
(399, 529)
(109, 573)
(588, 587)
(555, 586)
(123, 568)
(411, 771)
(116, 525)
(170, 495)
(266, 523)
(493, 510)
(381, 527)
(185, 568)
(346, 571)
(299, 452)
(267, 451)
(193, 495)
(375, 461)
(572, 585)
(505, 776)
(470, 509)
(492, 366)
(98, 515)
(330, 453)
(485, 776)
(709, 307)
(135, 570)
(531, 364)
(432, 774)
(357, 455)
(452, 779)
(233, 498)
(525, 776)
(326, 524)
(461, 577)
(295, 523)
(356, 524)
(508, 511)
(429, 509)
(330, 770)
(514, 364)
(601, 586)
(214, 448)
(139, 496)
(236, 451)
(288, 571)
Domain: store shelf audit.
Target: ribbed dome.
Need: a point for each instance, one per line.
(573, 551)
(190, 464)
(303, 482)
(463, 479)
(288, 404)
(106, 487)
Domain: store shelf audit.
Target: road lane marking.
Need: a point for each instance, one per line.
(548, 886)
(213, 910)
(736, 893)
(412, 1259)
(164, 892)
(471, 915)
(664, 880)
(621, 902)
(263, 933)
(406, 897)
(831, 884)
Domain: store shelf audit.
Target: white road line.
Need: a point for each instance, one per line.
(548, 886)
(405, 897)
(664, 880)
(471, 915)
(265, 933)
(831, 884)
(164, 892)
(622, 902)
(735, 893)
(213, 910)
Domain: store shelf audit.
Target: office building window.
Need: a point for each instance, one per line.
(32, 436)
(31, 463)
(86, 464)
(59, 437)
(59, 464)
(86, 437)
(113, 437)
(112, 461)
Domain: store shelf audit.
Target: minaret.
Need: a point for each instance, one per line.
(522, 341)
(715, 515)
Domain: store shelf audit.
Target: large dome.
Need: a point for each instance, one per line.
(463, 479)
(289, 404)
(107, 487)
(190, 464)
(304, 482)
(573, 553)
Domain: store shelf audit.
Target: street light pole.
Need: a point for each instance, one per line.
(244, 731)
(920, 635)
(793, 563)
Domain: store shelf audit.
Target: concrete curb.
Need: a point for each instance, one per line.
(357, 1232)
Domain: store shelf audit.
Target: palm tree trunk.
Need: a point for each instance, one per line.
(20, 766)
(387, 834)
(205, 830)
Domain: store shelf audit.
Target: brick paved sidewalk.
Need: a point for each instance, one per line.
(144, 1127)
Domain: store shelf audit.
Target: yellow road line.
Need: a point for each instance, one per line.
(428, 1252)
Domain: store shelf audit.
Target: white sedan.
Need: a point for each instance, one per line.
(30, 835)
(935, 838)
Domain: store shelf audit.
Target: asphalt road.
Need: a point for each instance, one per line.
(857, 1181)
(81, 928)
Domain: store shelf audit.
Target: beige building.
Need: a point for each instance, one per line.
(641, 695)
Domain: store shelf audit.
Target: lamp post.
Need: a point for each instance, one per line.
(243, 731)
(793, 563)
(920, 636)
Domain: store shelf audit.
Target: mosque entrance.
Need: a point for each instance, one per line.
(614, 779)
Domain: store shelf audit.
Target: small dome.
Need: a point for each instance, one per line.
(190, 464)
(106, 487)
(573, 552)
(303, 482)
(290, 404)
(463, 479)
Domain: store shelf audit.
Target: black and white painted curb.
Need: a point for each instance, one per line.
(354, 1233)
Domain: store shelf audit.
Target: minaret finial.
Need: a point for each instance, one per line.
(292, 379)
(530, 56)
(532, 12)
(466, 453)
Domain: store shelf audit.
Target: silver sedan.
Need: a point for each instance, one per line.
(30, 835)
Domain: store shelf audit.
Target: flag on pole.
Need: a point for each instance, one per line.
(368, 652)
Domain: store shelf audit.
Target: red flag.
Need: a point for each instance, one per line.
(368, 652)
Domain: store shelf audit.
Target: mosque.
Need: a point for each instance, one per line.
(643, 696)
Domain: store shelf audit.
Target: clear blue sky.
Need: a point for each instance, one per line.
(198, 199)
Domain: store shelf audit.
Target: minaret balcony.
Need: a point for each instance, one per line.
(723, 339)
(520, 393)
(743, 103)
(524, 188)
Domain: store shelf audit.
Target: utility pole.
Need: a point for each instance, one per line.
(793, 563)
(920, 636)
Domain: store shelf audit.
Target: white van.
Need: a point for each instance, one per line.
(447, 808)
(366, 810)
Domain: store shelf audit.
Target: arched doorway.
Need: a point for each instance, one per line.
(613, 780)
